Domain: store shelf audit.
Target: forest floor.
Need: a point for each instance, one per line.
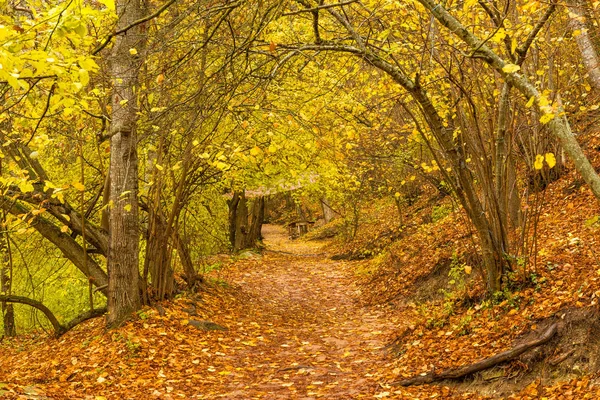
(295, 330)
(303, 326)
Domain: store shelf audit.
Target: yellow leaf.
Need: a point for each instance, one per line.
(530, 102)
(468, 269)
(539, 162)
(255, 151)
(133, 52)
(221, 165)
(544, 119)
(468, 4)
(550, 159)
(78, 186)
(543, 101)
(127, 207)
(513, 45)
(64, 229)
(159, 167)
(499, 36)
(510, 68)
(84, 77)
(26, 187)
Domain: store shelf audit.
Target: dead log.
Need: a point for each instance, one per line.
(456, 373)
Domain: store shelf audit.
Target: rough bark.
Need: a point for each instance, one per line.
(456, 373)
(256, 221)
(241, 223)
(233, 206)
(123, 259)
(158, 257)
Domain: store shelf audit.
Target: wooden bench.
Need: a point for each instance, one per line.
(299, 228)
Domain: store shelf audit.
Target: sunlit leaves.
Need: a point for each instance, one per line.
(544, 119)
(511, 68)
(539, 162)
(548, 157)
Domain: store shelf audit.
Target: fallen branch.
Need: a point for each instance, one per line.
(456, 373)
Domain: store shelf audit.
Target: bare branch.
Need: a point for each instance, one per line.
(522, 50)
(322, 7)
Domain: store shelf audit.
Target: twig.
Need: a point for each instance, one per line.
(323, 7)
(43, 114)
(296, 367)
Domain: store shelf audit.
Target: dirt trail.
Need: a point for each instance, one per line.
(311, 338)
(295, 331)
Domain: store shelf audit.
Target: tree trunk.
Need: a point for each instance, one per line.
(256, 221)
(158, 257)
(233, 206)
(123, 258)
(241, 223)
(8, 312)
(579, 24)
(505, 183)
(183, 250)
(6, 274)
(328, 213)
(463, 187)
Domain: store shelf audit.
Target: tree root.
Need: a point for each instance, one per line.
(456, 373)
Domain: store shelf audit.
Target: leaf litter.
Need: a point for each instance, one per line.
(302, 326)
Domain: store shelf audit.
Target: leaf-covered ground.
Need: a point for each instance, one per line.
(295, 330)
(298, 327)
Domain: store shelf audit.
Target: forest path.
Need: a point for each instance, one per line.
(305, 334)
(296, 330)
